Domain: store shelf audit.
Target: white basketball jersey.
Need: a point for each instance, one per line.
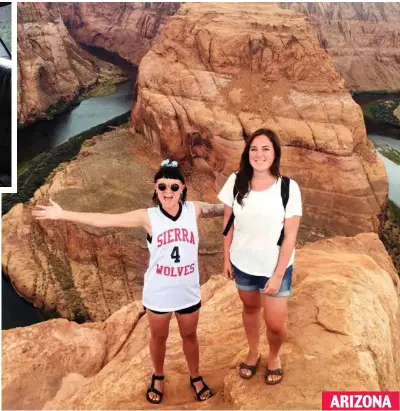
(172, 280)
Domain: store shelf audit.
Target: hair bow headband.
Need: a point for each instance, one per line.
(167, 163)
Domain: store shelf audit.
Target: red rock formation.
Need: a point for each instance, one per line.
(219, 72)
(51, 67)
(343, 323)
(125, 28)
(363, 40)
(84, 272)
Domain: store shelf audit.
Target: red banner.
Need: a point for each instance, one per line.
(361, 400)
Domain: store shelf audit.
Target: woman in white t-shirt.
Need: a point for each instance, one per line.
(261, 268)
(171, 282)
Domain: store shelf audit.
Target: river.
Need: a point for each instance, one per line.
(392, 169)
(385, 136)
(48, 136)
(374, 126)
(16, 311)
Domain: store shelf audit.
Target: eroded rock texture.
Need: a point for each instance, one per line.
(125, 28)
(51, 66)
(220, 71)
(84, 272)
(343, 324)
(363, 40)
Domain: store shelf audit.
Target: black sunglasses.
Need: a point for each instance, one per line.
(173, 187)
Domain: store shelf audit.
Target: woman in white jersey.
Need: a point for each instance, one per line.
(171, 282)
(262, 269)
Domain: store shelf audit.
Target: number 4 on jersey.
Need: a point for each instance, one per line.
(175, 255)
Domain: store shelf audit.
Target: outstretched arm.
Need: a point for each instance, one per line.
(207, 210)
(137, 218)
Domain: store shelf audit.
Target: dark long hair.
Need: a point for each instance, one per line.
(174, 173)
(245, 173)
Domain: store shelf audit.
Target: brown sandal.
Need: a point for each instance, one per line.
(251, 368)
(278, 371)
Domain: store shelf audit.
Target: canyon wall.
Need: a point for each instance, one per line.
(231, 69)
(125, 28)
(234, 69)
(52, 69)
(85, 273)
(363, 40)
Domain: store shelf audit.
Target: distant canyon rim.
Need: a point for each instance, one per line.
(209, 75)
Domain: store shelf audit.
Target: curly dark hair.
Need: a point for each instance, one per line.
(245, 173)
(173, 173)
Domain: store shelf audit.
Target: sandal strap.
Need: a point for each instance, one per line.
(196, 379)
(152, 389)
(278, 371)
(244, 366)
(157, 377)
(153, 380)
(203, 390)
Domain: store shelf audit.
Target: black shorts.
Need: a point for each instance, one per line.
(188, 310)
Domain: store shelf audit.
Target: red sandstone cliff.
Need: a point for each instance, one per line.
(51, 67)
(235, 68)
(82, 272)
(230, 71)
(363, 40)
(125, 28)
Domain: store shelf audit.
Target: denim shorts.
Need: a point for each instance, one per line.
(248, 282)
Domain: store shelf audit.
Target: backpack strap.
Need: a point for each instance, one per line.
(232, 217)
(285, 198)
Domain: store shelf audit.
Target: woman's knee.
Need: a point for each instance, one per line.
(278, 328)
(251, 301)
(251, 309)
(159, 338)
(189, 337)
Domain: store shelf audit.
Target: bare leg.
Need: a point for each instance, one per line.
(252, 322)
(275, 309)
(159, 329)
(188, 330)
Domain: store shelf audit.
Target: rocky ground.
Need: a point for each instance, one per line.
(343, 325)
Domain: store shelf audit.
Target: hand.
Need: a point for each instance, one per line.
(228, 270)
(53, 212)
(273, 285)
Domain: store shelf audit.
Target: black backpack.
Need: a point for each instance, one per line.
(285, 198)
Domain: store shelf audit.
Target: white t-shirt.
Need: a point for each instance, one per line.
(172, 280)
(258, 225)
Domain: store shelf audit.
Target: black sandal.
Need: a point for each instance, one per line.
(154, 390)
(202, 391)
(278, 371)
(251, 368)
